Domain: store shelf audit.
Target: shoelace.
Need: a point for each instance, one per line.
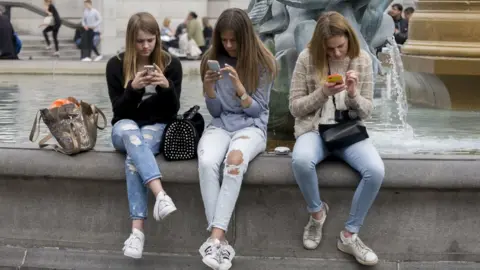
(312, 230)
(359, 245)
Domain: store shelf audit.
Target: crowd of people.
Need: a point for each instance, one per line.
(237, 73)
(191, 38)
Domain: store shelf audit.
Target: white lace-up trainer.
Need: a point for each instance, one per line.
(210, 251)
(164, 206)
(133, 246)
(312, 234)
(226, 256)
(354, 246)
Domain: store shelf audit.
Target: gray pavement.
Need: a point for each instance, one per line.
(44, 258)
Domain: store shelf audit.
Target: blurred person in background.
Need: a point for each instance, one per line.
(53, 27)
(91, 23)
(166, 30)
(401, 25)
(195, 31)
(207, 31)
(408, 12)
(7, 37)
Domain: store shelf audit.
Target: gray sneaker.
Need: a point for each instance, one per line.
(354, 246)
(312, 234)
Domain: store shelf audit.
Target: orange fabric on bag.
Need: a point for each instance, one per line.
(62, 101)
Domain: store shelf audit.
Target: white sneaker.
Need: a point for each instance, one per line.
(164, 206)
(87, 59)
(312, 233)
(133, 246)
(56, 53)
(98, 58)
(210, 251)
(49, 47)
(226, 256)
(354, 246)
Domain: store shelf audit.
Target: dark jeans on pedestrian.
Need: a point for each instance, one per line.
(54, 29)
(87, 44)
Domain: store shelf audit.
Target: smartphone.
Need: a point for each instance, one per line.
(149, 68)
(282, 150)
(213, 65)
(335, 78)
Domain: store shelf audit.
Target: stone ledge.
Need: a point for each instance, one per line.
(407, 171)
(69, 67)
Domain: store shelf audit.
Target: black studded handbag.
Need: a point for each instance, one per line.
(181, 136)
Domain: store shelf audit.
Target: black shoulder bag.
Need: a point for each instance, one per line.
(181, 136)
(345, 132)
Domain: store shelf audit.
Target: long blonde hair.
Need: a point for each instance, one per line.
(252, 55)
(329, 25)
(146, 22)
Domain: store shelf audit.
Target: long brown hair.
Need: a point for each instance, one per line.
(252, 55)
(146, 22)
(329, 25)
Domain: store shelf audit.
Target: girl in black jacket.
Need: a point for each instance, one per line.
(144, 85)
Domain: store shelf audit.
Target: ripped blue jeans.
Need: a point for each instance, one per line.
(141, 144)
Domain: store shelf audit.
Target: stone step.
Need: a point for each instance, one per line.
(28, 40)
(427, 209)
(38, 47)
(45, 258)
(44, 52)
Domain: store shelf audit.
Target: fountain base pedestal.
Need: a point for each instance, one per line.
(442, 55)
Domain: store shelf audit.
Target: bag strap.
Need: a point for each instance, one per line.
(188, 115)
(330, 73)
(35, 127)
(333, 96)
(96, 111)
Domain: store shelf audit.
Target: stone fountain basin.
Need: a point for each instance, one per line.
(427, 209)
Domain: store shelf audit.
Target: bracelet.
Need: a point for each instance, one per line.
(244, 97)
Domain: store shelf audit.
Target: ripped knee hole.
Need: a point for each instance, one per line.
(234, 160)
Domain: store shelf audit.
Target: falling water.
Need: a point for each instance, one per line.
(391, 101)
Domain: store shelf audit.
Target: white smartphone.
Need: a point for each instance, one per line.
(282, 150)
(213, 65)
(149, 68)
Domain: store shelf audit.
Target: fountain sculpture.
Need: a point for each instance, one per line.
(286, 27)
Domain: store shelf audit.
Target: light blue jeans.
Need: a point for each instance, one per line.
(309, 150)
(219, 197)
(141, 144)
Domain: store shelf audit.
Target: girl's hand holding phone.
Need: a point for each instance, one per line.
(141, 80)
(211, 76)
(158, 78)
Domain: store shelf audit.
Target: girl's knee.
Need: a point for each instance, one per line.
(235, 164)
(375, 173)
(302, 160)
